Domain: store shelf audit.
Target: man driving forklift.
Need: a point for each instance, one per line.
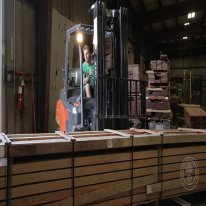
(88, 72)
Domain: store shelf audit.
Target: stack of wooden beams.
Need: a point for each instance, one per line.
(134, 105)
(164, 57)
(134, 86)
(158, 103)
(135, 72)
(195, 117)
(135, 76)
(155, 92)
(183, 166)
(157, 95)
(159, 115)
(155, 78)
(159, 65)
(128, 167)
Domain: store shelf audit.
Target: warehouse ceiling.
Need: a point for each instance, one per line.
(165, 23)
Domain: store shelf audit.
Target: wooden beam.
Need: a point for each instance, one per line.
(106, 192)
(170, 184)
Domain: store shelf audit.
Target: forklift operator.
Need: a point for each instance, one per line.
(88, 72)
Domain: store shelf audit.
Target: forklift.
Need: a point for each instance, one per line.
(117, 99)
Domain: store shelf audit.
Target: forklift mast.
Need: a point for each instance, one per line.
(111, 92)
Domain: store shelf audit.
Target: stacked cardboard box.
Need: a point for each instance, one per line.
(157, 95)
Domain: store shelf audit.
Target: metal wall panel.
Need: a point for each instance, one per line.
(21, 57)
(75, 10)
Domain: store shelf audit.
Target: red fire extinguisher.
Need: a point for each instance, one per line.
(20, 94)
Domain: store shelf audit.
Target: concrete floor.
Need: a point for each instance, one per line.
(198, 199)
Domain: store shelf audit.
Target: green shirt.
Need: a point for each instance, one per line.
(85, 69)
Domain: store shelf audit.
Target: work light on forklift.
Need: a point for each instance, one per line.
(79, 37)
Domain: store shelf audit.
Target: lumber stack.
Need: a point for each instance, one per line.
(195, 117)
(135, 87)
(135, 72)
(128, 167)
(134, 105)
(155, 77)
(157, 94)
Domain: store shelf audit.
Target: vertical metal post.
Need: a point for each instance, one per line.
(2, 65)
(123, 61)
(190, 87)
(14, 64)
(81, 86)
(143, 103)
(99, 35)
(66, 67)
(9, 174)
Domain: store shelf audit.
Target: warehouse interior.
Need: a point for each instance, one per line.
(32, 29)
(140, 139)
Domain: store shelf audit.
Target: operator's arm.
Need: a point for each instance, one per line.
(86, 78)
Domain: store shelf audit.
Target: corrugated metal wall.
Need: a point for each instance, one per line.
(64, 14)
(75, 10)
(21, 59)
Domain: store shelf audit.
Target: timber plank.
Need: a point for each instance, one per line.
(42, 165)
(65, 183)
(100, 144)
(3, 203)
(20, 150)
(100, 178)
(182, 191)
(107, 192)
(187, 138)
(2, 171)
(180, 158)
(91, 188)
(38, 177)
(34, 138)
(42, 198)
(170, 184)
(97, 169)
(114, 157)
(33, 135)
(3, 194)
(3, 182)
(120, 195)
(39, 188)
(176, 174)
(177, 166)
(184, 150)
